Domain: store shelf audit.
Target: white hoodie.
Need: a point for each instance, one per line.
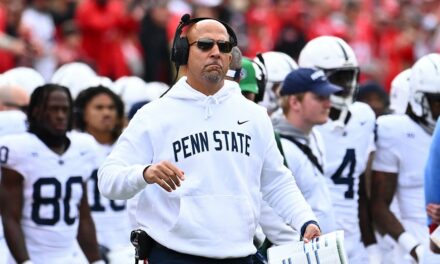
(226, 147)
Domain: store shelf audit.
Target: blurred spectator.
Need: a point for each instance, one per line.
(155, 44)
(260, 22)
(393, 44)
(291, 36)
(68, 48)
(63, 10)
(38, 28)
(105, 25)
(320, 20)
(10, 43)
(358, 32)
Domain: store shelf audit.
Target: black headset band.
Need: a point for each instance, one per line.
(184, 23)
(179, 56)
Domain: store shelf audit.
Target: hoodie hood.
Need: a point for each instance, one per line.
(283, 127)
(183, 91)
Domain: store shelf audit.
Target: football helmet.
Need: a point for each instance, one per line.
(24, 77)
(425, 88)
(76, 76)
(399, 92)
(277, 65)
(337, 59)
(133, 89)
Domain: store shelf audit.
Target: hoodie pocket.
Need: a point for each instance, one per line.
(218, 217)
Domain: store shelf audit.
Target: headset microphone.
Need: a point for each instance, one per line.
(185, 19)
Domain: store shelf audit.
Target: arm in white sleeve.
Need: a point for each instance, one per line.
(121, 174)
(280, 190)
(277, 231)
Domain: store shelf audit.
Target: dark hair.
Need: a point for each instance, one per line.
(38, 101)
(84, 98)
(135, 107)
(373, 87)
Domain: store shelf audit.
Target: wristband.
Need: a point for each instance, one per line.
(304, 227)
(27, 262)
(407, 241)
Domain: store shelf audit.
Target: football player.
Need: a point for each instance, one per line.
(100, 113)
(277, 65)
(402, 152)
(13, 101)
(43, 178)
(348, 135)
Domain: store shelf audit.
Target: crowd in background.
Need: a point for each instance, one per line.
(133, 37)
(125, 45)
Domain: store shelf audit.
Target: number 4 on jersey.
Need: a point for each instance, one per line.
(350, 161)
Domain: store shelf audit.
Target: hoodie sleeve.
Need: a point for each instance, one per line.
(121, 174)
(274, 228)
(279, 187)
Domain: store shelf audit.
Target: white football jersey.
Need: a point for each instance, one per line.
(12, 122)
(52, 188)
(110, 216)
(347, 151)
(310, 180)
(402, 148)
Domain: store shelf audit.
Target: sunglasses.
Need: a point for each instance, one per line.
(207, 44)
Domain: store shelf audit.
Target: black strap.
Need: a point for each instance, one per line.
(280, 147)
(304, 148)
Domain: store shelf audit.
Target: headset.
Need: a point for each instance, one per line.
(180, 48)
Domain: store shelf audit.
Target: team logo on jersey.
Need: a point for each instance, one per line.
(242, 122)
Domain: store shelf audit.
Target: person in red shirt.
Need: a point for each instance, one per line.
(105, 25)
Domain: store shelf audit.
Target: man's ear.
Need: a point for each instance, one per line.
(294, 103)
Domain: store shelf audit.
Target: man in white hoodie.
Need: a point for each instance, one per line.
(200, 165)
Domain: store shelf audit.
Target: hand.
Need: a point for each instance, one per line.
(18, 47)
(433, 211)
(164, 173)
(312, 231)
(434, 248)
